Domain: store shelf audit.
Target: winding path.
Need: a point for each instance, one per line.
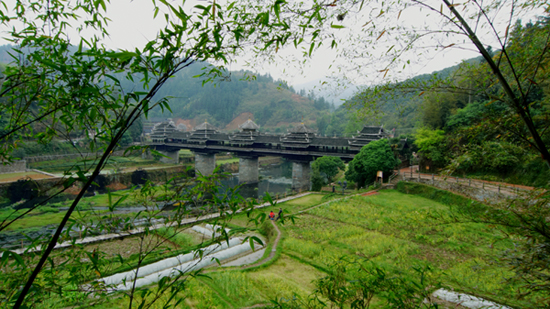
(273, 249)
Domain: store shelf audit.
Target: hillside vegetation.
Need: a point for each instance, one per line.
(272, 103)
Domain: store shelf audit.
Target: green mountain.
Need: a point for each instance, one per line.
(272, 104)
(400, 105)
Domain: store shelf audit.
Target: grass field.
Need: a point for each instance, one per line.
(23, 175)
(224, 161)
(394, 230)
(398, 232)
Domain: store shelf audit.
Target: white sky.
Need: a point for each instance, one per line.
(133, 25)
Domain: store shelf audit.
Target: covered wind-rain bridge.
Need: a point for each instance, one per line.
(300, 146)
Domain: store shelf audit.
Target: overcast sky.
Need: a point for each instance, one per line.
(132, 25)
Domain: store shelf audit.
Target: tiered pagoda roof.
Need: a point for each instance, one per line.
(367, 135)
(247, 135)
(202, 133)
(299, 137)
(162, 129)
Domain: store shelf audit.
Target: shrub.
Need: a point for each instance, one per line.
(100, 183)
(139, 177)
(373, 157)
(23, 189)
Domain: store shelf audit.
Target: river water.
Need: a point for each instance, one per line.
(274, 178)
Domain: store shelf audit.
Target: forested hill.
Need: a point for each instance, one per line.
(271, 104)
(401, 105)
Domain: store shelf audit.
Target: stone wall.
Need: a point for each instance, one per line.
(156, 175)
(479, 194)
(70, 156)
(14, 167)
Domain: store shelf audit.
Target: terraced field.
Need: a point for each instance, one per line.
(405, 237)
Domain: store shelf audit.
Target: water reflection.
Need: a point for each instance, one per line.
(274, 178)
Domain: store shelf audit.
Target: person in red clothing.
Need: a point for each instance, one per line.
(272, 215)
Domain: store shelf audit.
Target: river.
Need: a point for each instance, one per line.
(274, 178)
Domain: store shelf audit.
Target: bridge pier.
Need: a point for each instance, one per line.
(205, 163)
(301, 175)
(173, 156)
(147, 155)
(248, 170)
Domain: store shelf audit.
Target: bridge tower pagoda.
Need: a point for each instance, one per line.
(205, 160)
(158, 134)
(248, 163)
(299, 138)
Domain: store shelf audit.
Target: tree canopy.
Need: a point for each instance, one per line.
(328, 166)
(57, 86)
(373, 157)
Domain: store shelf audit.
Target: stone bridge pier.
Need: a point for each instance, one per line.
(205, 162)
(301, 175)
(248, 169)
(172, 157)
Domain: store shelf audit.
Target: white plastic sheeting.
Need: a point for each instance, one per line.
(466, 300)
(206, 232)
(166, 263)
(216, 228)
(185, 267)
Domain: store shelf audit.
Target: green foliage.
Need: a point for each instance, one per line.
(432, 145)
(438, 107)
(488, 157)
(328, 166)
(373, 157)
(23, 189)
(139, 176)
(367, 280)
(317, 181)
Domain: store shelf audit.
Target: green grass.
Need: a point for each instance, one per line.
(21, 175)
(35, 220)
(395, 230)
(399, 231)
(180, 238)
(102, 200)
(224, 161)
(289, 207)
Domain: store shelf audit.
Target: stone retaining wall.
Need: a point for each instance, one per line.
(478, 194)
(13, 167)
(156, 175)
(70, 156)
